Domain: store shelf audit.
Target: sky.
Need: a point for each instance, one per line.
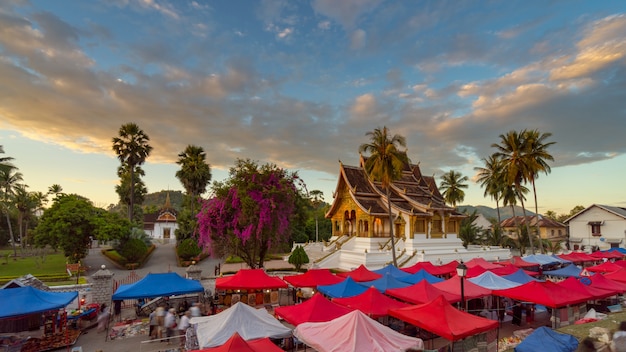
(300, 83)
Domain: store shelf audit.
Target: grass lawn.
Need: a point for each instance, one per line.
(52, 263)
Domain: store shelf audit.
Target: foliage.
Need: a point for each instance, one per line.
(9, 179)
(123, 190)
(562, 217)
(298, 257)
(452, 184)
(186, 225)
(194, 173)
(251, 212)
(188, 249)
(133, 250)
(469, 232)
(385, 165)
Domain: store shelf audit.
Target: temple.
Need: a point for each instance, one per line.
(162, 225)
(425, 228)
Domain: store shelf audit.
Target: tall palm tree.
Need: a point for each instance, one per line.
(56, 190)
(538, 157)
(132, 149)
(123, 189)
(9, 178)
(512, 151)
(452, 184)
(385, 165)
(194, 173)
(490, 178)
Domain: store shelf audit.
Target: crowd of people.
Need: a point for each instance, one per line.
(168, 323)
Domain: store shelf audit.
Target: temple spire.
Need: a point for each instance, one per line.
(168, 204)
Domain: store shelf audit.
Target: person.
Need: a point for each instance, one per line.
(103, 318)
(619, 338)
(182, 327)
(170, 323)
(195, 310)
(299, 296)
(153, 325)
(117, 309)
(160, 318)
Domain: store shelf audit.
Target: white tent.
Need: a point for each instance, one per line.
(354, 331)
(249, 322)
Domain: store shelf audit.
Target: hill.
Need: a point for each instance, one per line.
(154, 201)
(492, 213)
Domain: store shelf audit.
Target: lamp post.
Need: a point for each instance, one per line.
(461, 271)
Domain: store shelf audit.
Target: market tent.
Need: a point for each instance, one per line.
(441, 318)
(422, 274)
(492, 281)
(313, 278)
(388, 281)
(346, 288)
(521, 263)
(602, 281)
(481, 262)
(361, 274)
(578, 257)
(546, 293)
(237, 344)
(445, 269)
(393, 271)
(249, 279)
(315, 309)
(619, 275)
(354, 331)
(547, 340)
(428, 266)
(566, 271)
(471, 290)
(371, 302)
(249, 322)
(544, 259)
(607, 254)
(26, 300)
(520, 276)
(606, 267)
(157, 285)
(571, 283)
(508, 269)
(474, 271)
(422, 292)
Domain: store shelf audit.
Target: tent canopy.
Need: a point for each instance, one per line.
(442, 319)
(393, 271)
(346, 288)
(546, 293)
(566, 271)
(315, 309)
(361, 274)
(313, 278)
(249, 279)
(422, 274)
(28, 300)
(492, 281)
(606, 267)
(520, 276)
(601, 281)
(547, 340)
(371, 302)
(471, 290)
(250, 323)
(481, 262)
(237, 344)
(421, 293)
(157, 285)
(388, 281)
(521, 263)
(571, 283)
(354, 331)
(428, 266)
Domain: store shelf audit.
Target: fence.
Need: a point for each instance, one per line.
(130, 279)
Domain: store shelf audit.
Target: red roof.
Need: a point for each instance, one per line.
(440, 318)
(237, 344)
(445, 269)
(606, 267)
(618, 275)
(313, 278)
(578, 257)
(607, 254)
(249, 279)
(421, 293)
(316, 309)
(361, 274)
(371, 302)
(546, 293)
(470, 290)
(482, 263)
(521, 263)
(427, 266)
(601, 281)
(572, 283)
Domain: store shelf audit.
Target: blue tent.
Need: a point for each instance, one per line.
(28, 300)
(419, 276)
(544, 259)
(346, 288)
(567, 271)
(547, 340)
(520, 277)
(393, 271)
(492, 281)
(385, 283)
(157, 285)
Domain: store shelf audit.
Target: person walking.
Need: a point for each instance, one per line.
(182, 327)
(153, 325)
(170, 324)
(103, 318)
(160, 318)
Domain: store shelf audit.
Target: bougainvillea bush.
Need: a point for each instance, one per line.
(251, 213)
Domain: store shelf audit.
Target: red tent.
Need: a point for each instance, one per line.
(508, 269)
(619, 275)
(546, 293)
(361, 274)
(371, 302)
(475, 271)
(621, 263)
(427, 266)
(445, 269)
(313, 278)
(481, 262)
(578, 257)
(316, 309)
(421, 293)
(572, 283)
(601, 281)
(237, 344)
(440, 318)
(249, 279)
(607, 255)
(470, 290)
(521, 263)
(606, 267)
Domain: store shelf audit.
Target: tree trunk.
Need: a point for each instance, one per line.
(498, 209)
(393, 244)
(530, 236)
(537, 214)
(131, 206)
(11, 233)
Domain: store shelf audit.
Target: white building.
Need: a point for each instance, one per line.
(600, 226)
(162, 225)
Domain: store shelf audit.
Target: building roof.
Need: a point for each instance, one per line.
(621, 212)
(543, 221)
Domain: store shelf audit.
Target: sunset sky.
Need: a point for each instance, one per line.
(299, 83)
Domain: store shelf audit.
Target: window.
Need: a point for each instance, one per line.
(420, 226)
(595, 228)
(451, 226)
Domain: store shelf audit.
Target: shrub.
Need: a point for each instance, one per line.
(188, 248)
(133, 250)
(298, 257)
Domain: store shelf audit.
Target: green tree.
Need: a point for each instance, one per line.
(194, 173)
(125, 188)
(490, 178)
(132, 149)
(298, 257)
(26, 203)
(9, 179)
(385, 165)
(469, 232)
(453, 184)
(55, 190)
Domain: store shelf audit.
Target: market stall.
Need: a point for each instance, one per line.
(237, 344)
(316, 309)
(313, 278)
(361, 274)
(422, 292)
(346, 288)
(371, 302)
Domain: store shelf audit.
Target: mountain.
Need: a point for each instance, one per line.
(492, 213)
(157, 199)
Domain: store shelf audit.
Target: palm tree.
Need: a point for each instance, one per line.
(8, 181)
(123, 189)
(452, 184)
(538, 157)
(56, 190)
(385, 165)
(490, 178)
(194, 173)
(512, 152)
(132, 149)
(317, 198)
